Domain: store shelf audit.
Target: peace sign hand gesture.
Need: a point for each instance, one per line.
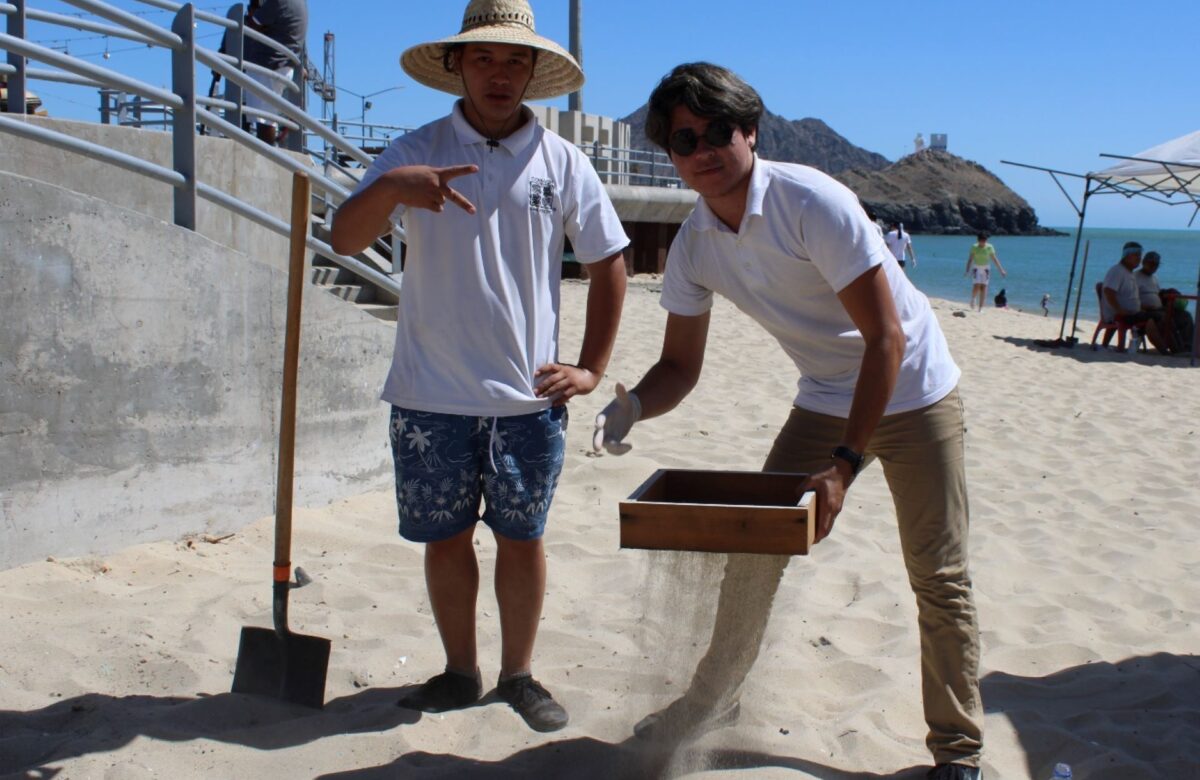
(426, 187)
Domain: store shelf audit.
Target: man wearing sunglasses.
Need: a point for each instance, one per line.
(793, 249)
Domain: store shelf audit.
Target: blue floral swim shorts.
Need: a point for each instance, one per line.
(448, 464)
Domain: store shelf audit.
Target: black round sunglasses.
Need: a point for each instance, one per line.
(718, 135)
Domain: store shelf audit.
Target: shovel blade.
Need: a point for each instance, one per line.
(286, 666)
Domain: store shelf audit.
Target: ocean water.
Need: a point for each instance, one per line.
(1042, 264)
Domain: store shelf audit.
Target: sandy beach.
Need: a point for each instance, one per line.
(1085, 552)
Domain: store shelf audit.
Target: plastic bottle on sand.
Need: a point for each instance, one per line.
(1061, 772)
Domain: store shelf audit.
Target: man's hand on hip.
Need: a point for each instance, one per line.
(563, 381)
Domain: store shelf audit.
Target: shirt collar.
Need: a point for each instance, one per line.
(514, 142)
(705, 219)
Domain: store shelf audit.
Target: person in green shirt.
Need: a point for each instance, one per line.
(979, 262)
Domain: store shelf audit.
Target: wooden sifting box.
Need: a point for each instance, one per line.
(720, 511)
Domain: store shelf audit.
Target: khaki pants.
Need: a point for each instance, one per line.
(922, 457)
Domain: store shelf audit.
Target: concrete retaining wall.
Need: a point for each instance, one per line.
(140, 370)
(220, 162)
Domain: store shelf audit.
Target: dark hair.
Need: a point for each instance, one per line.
(981, 236)
(706, 90)
(1152, 257)
(452, 51)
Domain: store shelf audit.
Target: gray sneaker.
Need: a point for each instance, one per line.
(533, 703)
(955, 772)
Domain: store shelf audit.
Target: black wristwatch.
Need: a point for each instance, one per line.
(850, 456)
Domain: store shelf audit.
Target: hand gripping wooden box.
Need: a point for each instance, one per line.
(720, 511)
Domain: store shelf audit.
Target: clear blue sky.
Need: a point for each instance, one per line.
(1051, 83)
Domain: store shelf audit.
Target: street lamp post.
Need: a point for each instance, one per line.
(365, 100)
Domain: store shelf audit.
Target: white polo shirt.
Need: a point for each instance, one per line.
(804, 238)
(479, 303)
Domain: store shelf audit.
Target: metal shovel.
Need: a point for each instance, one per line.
(277, 662)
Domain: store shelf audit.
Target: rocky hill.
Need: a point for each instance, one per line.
(930, 192)
(805, 141)
(937, 192)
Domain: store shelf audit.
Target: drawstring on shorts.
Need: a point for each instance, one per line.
(492, 446)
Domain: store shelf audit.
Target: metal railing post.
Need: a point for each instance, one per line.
(105, 106)
(596, 161)
(183, 126)
(16, 81)
(235, 43)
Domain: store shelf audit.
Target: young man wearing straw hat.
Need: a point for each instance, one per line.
(794, 250)
(477, 391)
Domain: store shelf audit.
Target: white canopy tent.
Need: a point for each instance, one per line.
(1168, 173)
(1163, 171)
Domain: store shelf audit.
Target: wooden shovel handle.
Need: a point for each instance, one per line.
(301, 209)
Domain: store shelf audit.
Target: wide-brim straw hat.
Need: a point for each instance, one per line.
(497, 21)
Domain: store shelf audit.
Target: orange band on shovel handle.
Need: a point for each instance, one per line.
(282, 573)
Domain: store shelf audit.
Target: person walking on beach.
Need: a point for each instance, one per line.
(791, 248)
(487, 197)
(900, 243)
(979, 261)
(1045, 304)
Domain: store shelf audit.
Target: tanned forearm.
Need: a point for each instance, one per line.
(364, 218)
(663, 387)
(876, 382)
(606, 297)
(678, 368)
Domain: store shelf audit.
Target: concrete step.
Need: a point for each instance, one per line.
(355, 293)
(383, 311)
(333, 274)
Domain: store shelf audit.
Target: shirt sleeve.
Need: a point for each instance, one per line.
(682, 293)
(590, 220)
(837, 236)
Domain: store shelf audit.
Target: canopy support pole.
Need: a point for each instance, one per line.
(1071, 279)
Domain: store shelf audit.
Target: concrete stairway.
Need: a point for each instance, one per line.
(348, 285)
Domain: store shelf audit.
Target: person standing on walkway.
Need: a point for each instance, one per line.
(286, 23)
(979, 261)
(487, 198)
(792, 248)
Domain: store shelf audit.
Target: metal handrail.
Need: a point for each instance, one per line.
(88, 149)
(214, 61)
(86, 69)
(182, 105)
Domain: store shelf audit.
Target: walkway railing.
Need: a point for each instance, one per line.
(183, 110)
(187, 110)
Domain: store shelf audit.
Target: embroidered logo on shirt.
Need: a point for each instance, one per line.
(541, 195)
